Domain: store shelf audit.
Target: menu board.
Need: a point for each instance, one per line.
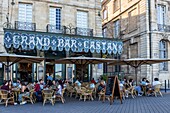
(109, 86)
(112, 89)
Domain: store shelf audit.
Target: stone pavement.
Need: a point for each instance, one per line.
(138, 105)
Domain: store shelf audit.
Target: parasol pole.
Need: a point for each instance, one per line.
(82, 73)
(136, 76)
(7, 69)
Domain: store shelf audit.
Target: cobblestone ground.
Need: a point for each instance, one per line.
(137, 105)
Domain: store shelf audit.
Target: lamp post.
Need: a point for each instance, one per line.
(8, 23)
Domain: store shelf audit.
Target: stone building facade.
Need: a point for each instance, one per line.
(67, 13)
(144, 27)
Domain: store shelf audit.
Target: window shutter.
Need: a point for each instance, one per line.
(25, 13)
(82, 19)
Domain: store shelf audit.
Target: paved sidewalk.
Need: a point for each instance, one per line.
(137, 105)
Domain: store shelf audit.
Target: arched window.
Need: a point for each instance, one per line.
(163, 53)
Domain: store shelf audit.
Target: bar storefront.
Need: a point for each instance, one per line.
(53, 46)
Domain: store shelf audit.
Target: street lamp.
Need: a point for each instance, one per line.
(8, 23)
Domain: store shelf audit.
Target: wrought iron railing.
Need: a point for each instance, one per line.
(25, 26)
(53, 29)
(84, 31)
(70, 29)
(165, 28)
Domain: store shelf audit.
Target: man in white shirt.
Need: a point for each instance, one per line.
(155, 82)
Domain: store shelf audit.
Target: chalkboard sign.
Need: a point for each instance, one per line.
(109, 85)
(112, 89)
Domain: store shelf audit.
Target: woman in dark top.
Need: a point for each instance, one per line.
(5, 86)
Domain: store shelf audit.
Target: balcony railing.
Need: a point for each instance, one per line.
(84, 31)
(70, 30)
(53, 29)
(165, 28)
(25, 26)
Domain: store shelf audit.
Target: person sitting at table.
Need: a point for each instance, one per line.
(42, 85)
(92, 85)
(5, 86)
(24, 92)
(49, 83)
(18, 84)
(93, 81)
(101, 87)
(156, 82)
(59, 88)
(137, 88)
(151, 89)
(37, 91)
(143, 82)
(78, 83)
(124, 81)
(54, 85)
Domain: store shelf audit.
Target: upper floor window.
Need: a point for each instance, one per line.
(116, 29)
(25, 12)
(115, 5)
(161, 14)
(163, 53)
(105, 14)
(133, 16)
(104, 32)
(55, 17)
(82, 19)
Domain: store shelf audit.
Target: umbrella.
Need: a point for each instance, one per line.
(83, 61)
(10, 59)
(136, 62)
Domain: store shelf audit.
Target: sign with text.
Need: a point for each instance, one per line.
(44, 41)
(112, 89)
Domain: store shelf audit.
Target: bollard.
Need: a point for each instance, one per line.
(165, 86)
(168, 83)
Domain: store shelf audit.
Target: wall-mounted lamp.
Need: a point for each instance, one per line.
(12, 3)
(99, 13)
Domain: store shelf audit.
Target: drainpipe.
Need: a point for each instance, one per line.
(150, 36)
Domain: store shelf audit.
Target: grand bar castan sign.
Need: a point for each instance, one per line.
(44, 41)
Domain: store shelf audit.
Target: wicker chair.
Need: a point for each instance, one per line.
(6, 97)
(48, 95)
(101, 94)
(60, 97)
(86, 93)
(70, 91)
(78, 91)
(29, 97)
(157, 90)
(130, 91)
(122, 92)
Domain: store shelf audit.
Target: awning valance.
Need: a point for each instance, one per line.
(44, 41)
